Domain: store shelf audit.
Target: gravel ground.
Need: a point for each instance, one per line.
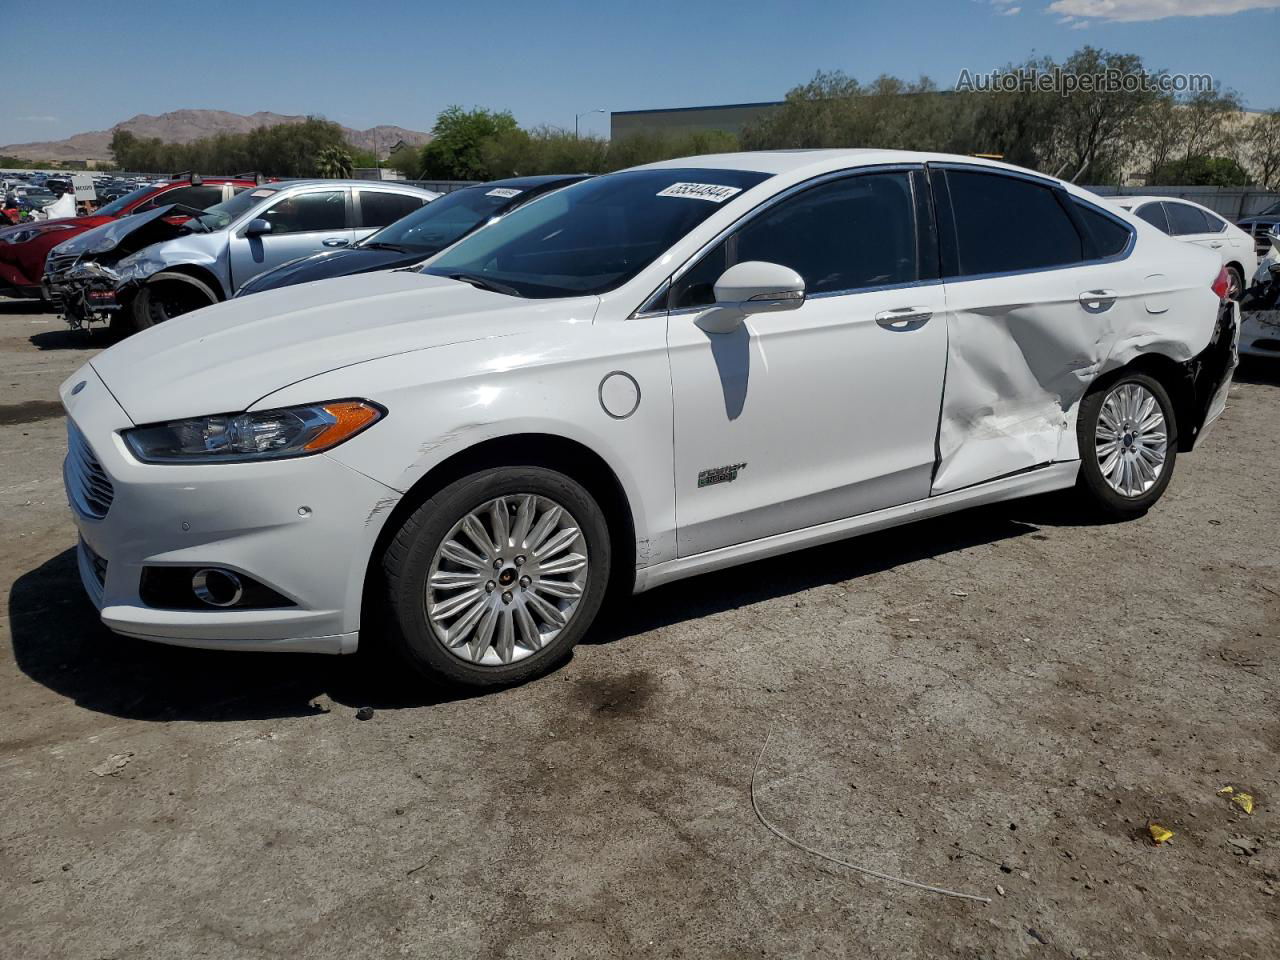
(998, 702)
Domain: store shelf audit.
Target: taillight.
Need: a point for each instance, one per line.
(1222, 284)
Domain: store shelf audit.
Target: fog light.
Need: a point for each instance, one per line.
(216, 587)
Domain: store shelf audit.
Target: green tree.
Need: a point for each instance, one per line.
(1262, 137)
(456, 150)
(1201, 171)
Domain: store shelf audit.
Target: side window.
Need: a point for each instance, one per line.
(1109, 235)
(201, 197)
(1153, 213)
(308, 212)
(1005, 223)
(849, 234)
(1215, 224)
(379, 208)
(1185, 219)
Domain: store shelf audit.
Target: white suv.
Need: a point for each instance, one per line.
(641, 377)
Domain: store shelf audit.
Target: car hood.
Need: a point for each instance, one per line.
(1269, 219)
(84, 223)
(124, 235)
(330, 263)
(227, 357)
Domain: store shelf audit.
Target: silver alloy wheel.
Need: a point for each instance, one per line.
(506, 579)
(1131, 439)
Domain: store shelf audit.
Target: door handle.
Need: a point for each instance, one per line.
(336, 242)
(903, 317)
(1215, 244)
(1096, 301)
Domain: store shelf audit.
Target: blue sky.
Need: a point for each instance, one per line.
(392, 62)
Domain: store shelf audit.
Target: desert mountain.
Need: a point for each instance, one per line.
(183, 126)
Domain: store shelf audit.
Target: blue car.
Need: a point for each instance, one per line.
(416, 237)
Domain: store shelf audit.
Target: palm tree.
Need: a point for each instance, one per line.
(333, 162)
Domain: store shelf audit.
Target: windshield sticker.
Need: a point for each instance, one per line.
(262, 193)
(700, 191)
(507, 192)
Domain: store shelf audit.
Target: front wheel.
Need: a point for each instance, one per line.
(496, 577)
(169, 295)
(1128, 445)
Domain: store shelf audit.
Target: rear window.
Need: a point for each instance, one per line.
(1185, 219)
(1005, 224)
(381, 207)
(1110, 236)
(1153, 213)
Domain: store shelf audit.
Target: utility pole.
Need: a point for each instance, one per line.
(585, 113)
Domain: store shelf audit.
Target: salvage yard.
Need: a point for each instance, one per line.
(1002, 703)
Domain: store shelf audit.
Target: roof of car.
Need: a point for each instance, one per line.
(791, 161)
(530, 182)
(319, 182)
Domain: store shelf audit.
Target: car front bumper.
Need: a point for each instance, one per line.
(304, 528)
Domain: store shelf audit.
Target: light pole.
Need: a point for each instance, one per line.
(585, 113)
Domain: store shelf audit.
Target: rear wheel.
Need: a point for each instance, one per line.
(169, 295)
(1235, 283)
(1128, 445)
(496, 577)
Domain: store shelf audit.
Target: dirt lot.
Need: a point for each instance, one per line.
(998, 703)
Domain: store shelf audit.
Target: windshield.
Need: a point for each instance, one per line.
(116, 206)
(221, 214)
(595, 235)
(441, 222)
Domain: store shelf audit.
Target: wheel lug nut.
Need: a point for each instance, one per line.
(506, 597)
(490, 587)
(519, 561)
(525, 581)
(497, 564)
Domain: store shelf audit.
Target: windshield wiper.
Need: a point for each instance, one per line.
(484, 283)
(379, 245)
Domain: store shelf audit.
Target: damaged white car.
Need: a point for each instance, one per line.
(644, 376)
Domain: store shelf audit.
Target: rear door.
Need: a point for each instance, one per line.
(1195, 226)
(1036, 281)
(302, 223)
(377, 208)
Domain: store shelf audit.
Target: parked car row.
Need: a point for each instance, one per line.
(634, 378)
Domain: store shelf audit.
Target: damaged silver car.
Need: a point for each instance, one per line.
(145, 269)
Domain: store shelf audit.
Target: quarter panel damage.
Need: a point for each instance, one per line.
(1016, 375)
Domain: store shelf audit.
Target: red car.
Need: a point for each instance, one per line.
(23, 248)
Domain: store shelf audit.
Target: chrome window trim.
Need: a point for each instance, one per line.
(1052, 185)
(640, 312)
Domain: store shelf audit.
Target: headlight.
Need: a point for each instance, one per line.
(30, 233)
(263, 435)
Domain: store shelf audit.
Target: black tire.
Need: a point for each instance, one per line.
(1092, 485)
(1235, 279)
(167, 295)
(408, 557)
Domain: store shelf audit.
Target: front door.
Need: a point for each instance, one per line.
(301, 224)
(822, 412)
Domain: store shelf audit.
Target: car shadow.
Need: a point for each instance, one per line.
(59, 642)
(22, 308)
(72, 340)
(1259, 371)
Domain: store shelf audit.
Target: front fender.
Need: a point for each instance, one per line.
(446, 400)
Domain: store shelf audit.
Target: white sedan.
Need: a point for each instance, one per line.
(641, 377)
(1193, 223)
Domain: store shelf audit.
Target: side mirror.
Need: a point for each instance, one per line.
(257, 227)
(1273, 234)
(751, 287)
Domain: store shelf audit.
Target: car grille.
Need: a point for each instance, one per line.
(88, 486)
(54, 266)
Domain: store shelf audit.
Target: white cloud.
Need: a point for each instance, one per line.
(43, 118)
(1010, 11)
(1138, 10)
